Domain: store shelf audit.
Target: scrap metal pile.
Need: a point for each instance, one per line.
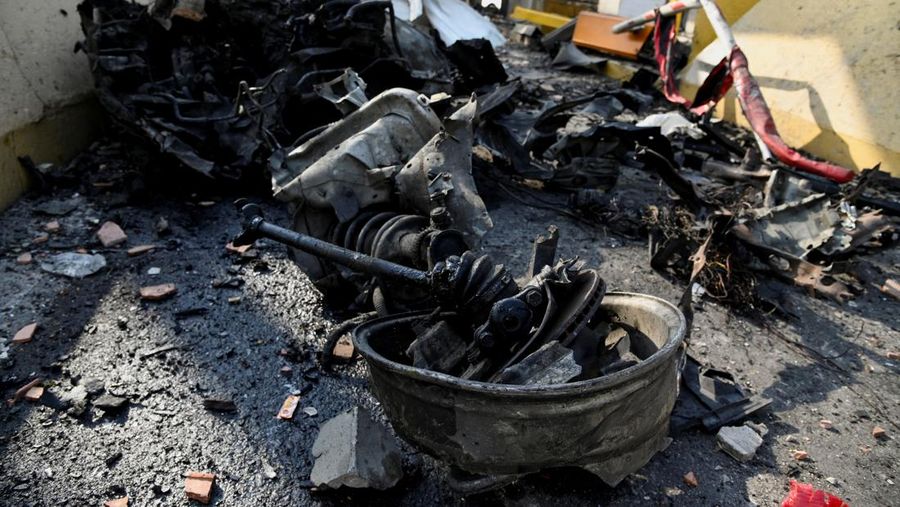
(378, 133)
(230, 88)
(222, 85)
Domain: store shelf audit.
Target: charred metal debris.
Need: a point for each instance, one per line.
(381, 139)
(223, 85)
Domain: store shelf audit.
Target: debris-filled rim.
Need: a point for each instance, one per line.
(666, 310)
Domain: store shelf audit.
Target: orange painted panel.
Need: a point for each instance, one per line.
(594, 30)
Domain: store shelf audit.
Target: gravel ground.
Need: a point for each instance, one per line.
(829, 363)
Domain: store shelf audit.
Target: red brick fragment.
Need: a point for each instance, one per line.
(893, 356)
(891, 287)
(158, 292)
(691, 479)
(236, 249)
(34, 394)
(800, 455)
(20, 392)
(110, 234)
(41, 238)
(288, 408)
(25, 334)
(140, 249)
(24, 259)
(879, 432)
(198, 486)
(117, 502)
(52, 226)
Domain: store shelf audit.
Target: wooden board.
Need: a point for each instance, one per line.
(594, 30)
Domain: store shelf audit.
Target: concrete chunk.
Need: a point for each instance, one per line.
(74, 264)
(740, 442)
(353, 450)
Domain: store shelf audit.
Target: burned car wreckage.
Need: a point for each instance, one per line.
(369, 126)
(374, 194)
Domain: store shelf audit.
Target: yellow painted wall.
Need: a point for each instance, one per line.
(827, 70)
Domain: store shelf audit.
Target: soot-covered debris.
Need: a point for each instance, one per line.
(222, 89)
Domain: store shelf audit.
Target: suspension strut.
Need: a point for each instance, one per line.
(505, 318)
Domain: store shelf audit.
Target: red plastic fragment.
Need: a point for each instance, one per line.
(805, 495)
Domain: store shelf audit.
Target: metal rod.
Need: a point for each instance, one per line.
(719, 23)
(351, 259)
(669, 9)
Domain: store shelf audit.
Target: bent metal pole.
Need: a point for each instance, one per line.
(757, 110)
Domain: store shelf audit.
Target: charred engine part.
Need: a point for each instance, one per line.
(409, 240)
(504, 322)
(221, 86)
(392, 152)
(468, 282)
(256, 227)
(350, 165)
(390, 181)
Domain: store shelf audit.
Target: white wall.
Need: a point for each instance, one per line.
(39, 77)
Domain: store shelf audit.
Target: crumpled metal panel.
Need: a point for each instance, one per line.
(440, 174)
(349, 165)
(865, 227)
(794, 228)
(610, 425)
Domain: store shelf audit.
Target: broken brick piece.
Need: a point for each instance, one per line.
(236, 249)
(110, 234)
(288, 408)
(800, 455)
(893, 356)
(40, 238)
(26, 258)
(117, 502)
(198, 486)
(20, 392)
(140, 249)
(52, 226)
(344, 348)
(879, 432)
(25, 334)
(826, 424)
(891, 287)
(158, 292)
(691, 479)
(34, 394)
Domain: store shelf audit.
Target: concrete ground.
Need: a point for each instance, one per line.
(166, 357)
